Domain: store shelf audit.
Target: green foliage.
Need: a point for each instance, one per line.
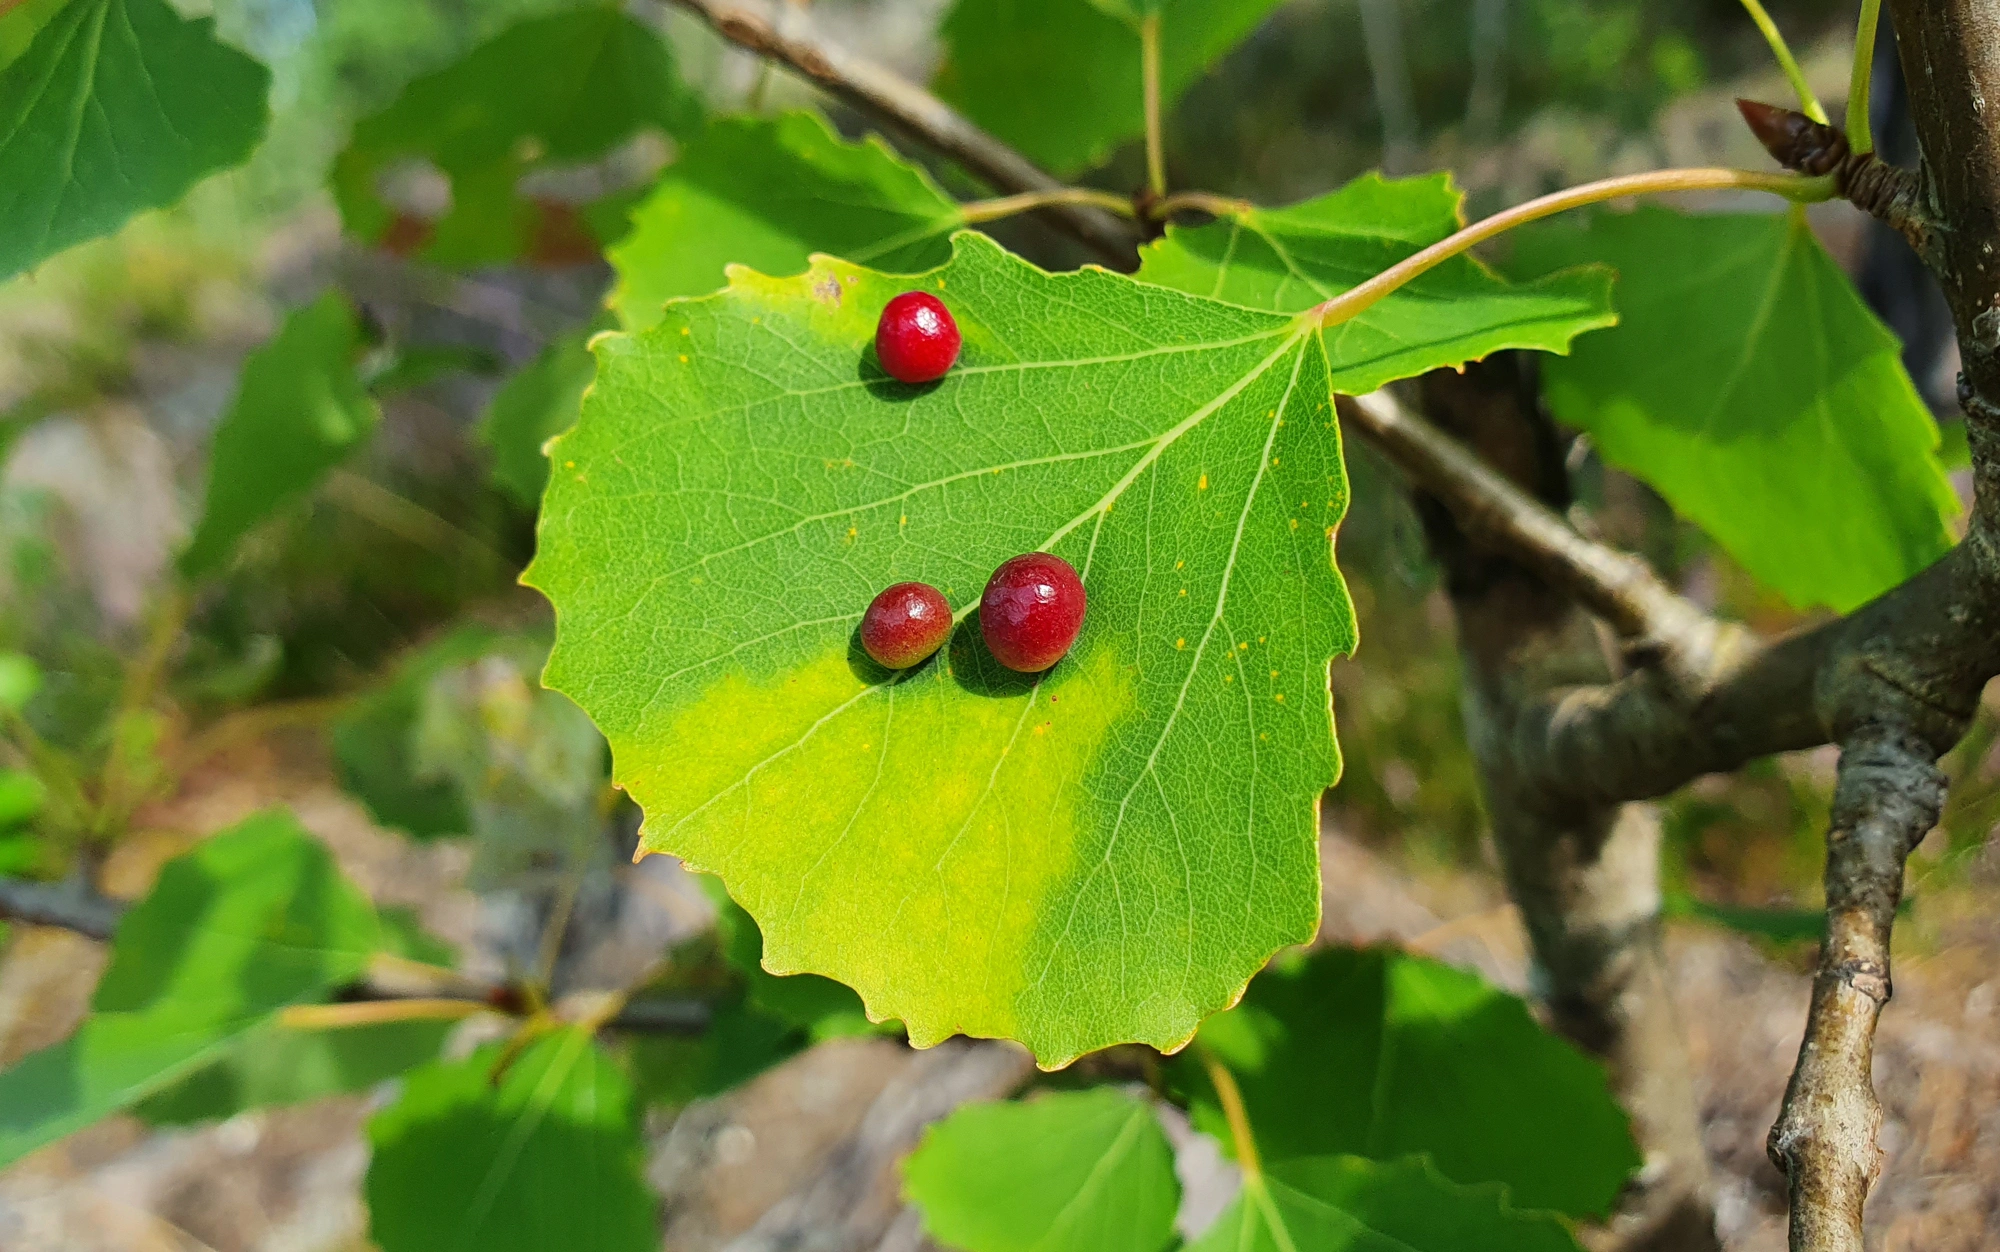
(21, 797)
(1287, 260)
(252, 920)
(1377, 1054)
(1344, 1204)
(1086, 1171)
(19, 24)
(541, 1153)
(1060, 79)
(1742, 355)
(767, 193)
(117, 106)
(821, 1007)
(372, 748)
(547, 92)
(273, 1065)
(20, 679)
(300, 409)
(539, 402)
(1179, 451)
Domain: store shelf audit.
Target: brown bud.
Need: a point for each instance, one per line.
(1793, 139)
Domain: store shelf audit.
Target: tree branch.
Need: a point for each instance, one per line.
(1585, 876)
(75, 906)
(1889, 795)
(785, 35)
(71, 904)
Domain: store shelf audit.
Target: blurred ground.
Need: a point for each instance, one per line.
(289, 1180)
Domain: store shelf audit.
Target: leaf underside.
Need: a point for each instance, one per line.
(115, 107)
(1751, 386)
(1370, 1052)
(1085, 1171)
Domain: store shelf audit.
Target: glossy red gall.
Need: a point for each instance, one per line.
(916, 340)
(905, 624)
(1031, 611)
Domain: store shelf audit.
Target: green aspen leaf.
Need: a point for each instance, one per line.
(554, 90)
(20, 679)
(767, 193)
(1060, 79)
(272, 1065)
(300, 409)
(1105, 853)
(1374, 1053)
(1750, 386)
(543, 1153)
(535, 404)
(1287, 260)
(251, 920)
(1085, 1171)
(116, 106)
(373, 748)
(1346, 1204)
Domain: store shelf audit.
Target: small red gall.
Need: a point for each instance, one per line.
(916, 340)
(1031, 611)
(905, 624)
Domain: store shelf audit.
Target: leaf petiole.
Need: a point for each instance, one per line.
(1231, 1098)
(1356, 299)
(375, 1012)
(976, 211)
(1786, 61)
(1860, 134)
(1149, 68)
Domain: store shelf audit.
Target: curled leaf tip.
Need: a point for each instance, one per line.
(1794, 140)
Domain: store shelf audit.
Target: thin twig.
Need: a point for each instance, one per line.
(1889, 795)
(786, 36)
(1654, 182)
(72, 904)
(1621, 589)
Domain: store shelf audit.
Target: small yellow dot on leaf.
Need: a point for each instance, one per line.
(1203, 484)
(1180, 643)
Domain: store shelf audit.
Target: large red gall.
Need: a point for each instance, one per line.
(916, 340)
(1031, 611)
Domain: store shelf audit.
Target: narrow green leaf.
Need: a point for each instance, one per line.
(373, 749)
(554, 90)
(1374, 1053)
(1060, 79)
(1102, 854)
(536, 403)
(117, 106)
(543, 1154)
(1345, 1204)
(767, 193)
(299, 411)
(1086, 1171)
(252, 920)
(1749, 384)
